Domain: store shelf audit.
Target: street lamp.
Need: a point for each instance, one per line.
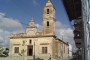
(62, 51)
(34, 50)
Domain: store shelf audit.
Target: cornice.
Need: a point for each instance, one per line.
(37, 36)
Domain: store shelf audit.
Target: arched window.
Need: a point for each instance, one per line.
(47, 11)
(47, 23)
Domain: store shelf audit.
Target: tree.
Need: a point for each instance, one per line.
(38, 58)
(23, 50)
(4, 52)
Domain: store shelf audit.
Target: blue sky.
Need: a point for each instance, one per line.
(24, 10)
(15, 14)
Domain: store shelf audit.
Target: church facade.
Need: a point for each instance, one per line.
(45, 45)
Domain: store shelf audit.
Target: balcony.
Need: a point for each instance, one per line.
(76, 32)
(78, 45)
(78, 41)
(77, 38)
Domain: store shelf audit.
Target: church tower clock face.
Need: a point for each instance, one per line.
(49, 18)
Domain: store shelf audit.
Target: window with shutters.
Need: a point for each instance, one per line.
(16, 50)
(44, 50)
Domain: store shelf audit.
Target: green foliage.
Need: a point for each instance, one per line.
(29, 59)
(4, 52)
(22, 52)
(36, 59)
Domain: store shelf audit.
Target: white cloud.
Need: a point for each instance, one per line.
(7, 26)
(39, 27)
(64, 32)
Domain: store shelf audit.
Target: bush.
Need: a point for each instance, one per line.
(4, 52)
(36, 59)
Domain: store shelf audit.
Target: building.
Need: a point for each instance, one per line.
(79, 10)
(74, 14)
(45, 44)
(70, 51)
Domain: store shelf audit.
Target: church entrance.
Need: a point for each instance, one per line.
(30, 50)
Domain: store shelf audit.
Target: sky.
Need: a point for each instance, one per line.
(16, 14)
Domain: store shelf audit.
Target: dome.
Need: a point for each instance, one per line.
(32, 24)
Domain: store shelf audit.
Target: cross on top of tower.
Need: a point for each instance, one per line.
(32, 20)
(49, 2)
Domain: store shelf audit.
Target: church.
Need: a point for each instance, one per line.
(45, 45)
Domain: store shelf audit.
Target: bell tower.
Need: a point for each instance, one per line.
(49, 19)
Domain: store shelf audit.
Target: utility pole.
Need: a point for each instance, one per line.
(34, 52)
(62, 37)
(3, 38)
